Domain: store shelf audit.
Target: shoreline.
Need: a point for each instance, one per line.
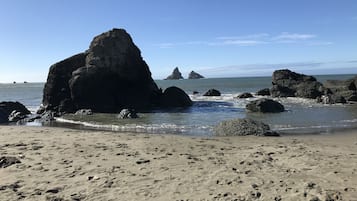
(69, 164)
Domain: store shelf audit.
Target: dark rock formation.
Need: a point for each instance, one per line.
(264, 92)
(56, 93)
(344, 88)
(245, 95)
(238, 127)
(3, 117)
(6, 161)
(290, 84)
(128, 114)
(175, 97)
(331, 99)
(265, 106)
(109, 76)
(194, 75)
(176, 75)
(212, 92)
(12, 111)
(84, 112)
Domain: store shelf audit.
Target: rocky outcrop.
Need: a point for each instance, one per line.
(245, 95)
(56, 93)
(331, 99)
(265, 106)
(110, 76)
(212, 92)
(242, 127)
(176, 75)
(3, 117)
(175, 97)
(84, 112)
(263, 92)
(194, 75)
(128, 114)
(290, 84)
(344, 88)
(12, 111)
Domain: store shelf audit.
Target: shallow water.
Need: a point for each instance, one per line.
(302, 115)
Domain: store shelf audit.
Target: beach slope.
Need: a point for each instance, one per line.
(65, 164)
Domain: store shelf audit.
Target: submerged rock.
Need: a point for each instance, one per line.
(242, 127)
(212, 92)
(194, 75)
(265, 106)
(245, 95)
(176, 75)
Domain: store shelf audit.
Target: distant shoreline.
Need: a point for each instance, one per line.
(162, 79)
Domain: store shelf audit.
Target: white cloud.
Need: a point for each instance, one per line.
(320, 43)
(246, 37)
(255, 39)
(165, 45)
(293, 36)
(243, 42)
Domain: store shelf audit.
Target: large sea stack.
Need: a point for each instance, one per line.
(194, 75)
(109, 76)
(175, 75)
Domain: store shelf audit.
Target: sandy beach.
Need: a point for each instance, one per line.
(65, 164)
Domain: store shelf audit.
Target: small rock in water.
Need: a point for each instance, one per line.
(84, 112)
(212, 92)
(245, 95)
(127, 114)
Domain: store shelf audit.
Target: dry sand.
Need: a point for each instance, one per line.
(64, 164)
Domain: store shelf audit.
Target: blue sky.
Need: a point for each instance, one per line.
(221, 38)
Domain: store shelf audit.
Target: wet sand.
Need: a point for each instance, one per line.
(66, 164)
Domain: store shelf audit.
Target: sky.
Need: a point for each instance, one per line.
(216, 38)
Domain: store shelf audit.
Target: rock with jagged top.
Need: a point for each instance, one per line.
(110, 76)
(194, 75)
(176, 75)
(212, 92)
(291, 84)
(344, 88)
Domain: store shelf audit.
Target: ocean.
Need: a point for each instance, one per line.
(302, 116)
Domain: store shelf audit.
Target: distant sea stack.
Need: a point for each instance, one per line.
(176, 75)
(108, 77)
(194, 75)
